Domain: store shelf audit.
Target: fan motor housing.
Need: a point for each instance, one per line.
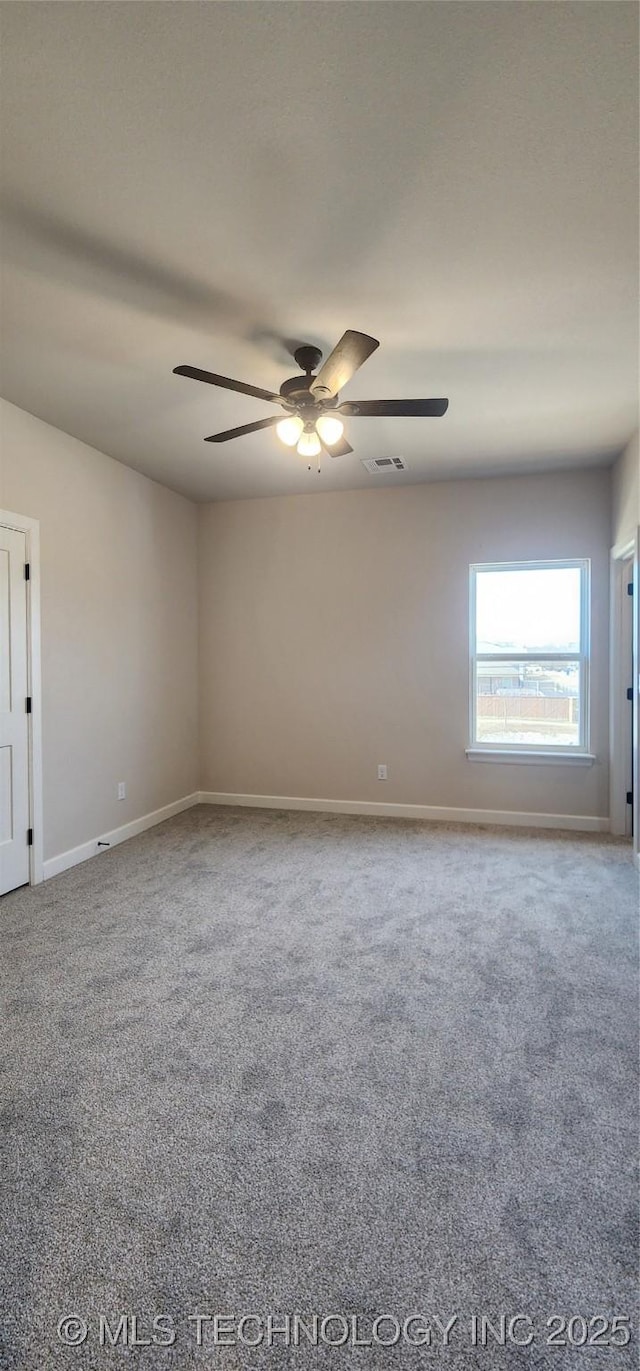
(297, 386)
(297, 390)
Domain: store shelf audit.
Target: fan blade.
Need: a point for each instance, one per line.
(246, 428)
(339, 449)
(341, 364)
(197, 375)
(420, 408)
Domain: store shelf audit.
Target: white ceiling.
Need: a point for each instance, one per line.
(201, 182)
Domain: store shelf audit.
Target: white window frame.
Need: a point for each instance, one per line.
(522, 752)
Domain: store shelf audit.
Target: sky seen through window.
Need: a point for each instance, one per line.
(528, 610)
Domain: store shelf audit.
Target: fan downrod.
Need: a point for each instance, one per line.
(297, 389)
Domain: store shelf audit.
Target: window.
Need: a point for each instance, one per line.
(529, 658)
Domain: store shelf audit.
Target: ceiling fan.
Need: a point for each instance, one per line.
(312, 402)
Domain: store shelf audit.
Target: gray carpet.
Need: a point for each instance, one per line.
(265, 1063)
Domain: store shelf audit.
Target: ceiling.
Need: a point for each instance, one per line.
(204, 183)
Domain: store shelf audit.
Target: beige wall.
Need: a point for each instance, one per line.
(119, 630)
(334, 635)
(625, 494)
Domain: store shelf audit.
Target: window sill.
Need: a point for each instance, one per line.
(495, 754)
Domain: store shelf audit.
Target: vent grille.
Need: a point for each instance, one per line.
(376, 464)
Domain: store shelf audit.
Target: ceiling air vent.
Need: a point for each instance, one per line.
(375, 464)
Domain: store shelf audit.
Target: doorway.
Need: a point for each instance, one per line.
(625, 714)
(20, 708)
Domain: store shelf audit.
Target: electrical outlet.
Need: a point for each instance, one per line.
(122, 790)
(382, 771)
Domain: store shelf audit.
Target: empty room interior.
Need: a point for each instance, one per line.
(319, 684)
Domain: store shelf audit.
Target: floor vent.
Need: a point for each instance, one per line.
(374, 464)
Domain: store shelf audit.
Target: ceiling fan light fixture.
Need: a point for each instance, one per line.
(313, 401)
(309, 445)
(330, 429)
(289, 430)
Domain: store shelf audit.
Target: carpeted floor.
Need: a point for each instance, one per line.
(265, 1063)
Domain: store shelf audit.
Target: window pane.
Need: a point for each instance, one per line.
(528, 702)
(528, 611)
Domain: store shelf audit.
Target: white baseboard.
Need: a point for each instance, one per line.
(64, 860)
(577, 822)
(585, 823)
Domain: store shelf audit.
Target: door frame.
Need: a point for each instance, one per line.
(31, 528)
(625, 566)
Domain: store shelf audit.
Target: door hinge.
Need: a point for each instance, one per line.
(629, 797)
(630, 588)
(29, 837)
(27, 571)
(630, 692)
(28, 704)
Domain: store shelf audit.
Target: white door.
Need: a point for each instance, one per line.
(14, 720)
(626, 660)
